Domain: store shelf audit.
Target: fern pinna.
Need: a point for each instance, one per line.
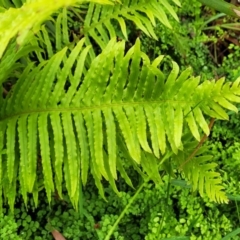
(74, 117)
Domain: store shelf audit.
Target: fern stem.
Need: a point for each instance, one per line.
(166, 205)
(204, 138)
(145, 181)
(125, 209)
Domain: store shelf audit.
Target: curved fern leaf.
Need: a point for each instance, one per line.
(84, 114)
(45, 154)
(58, 150)
(29, 16)
(83, 146)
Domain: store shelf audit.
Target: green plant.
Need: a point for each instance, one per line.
(8, 228)
(72, 109)
(182, 213)
(61, 143)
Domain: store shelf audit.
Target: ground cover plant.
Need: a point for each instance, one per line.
(79, 99)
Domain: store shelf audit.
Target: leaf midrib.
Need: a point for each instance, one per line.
(90, 108)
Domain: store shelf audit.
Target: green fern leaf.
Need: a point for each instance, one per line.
(10, 146)
(30, 15)
(83, 146)
(123, 172)
(150, 165)
(84, 114)
(73, 161)
(58, 150)
(24, 175)
(45, 154)
(111, 141)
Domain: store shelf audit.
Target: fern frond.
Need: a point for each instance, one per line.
(100, 20)
(53, 36)
(200, 173)
(85, 113)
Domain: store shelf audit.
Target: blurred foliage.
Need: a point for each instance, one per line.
(203, 39)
